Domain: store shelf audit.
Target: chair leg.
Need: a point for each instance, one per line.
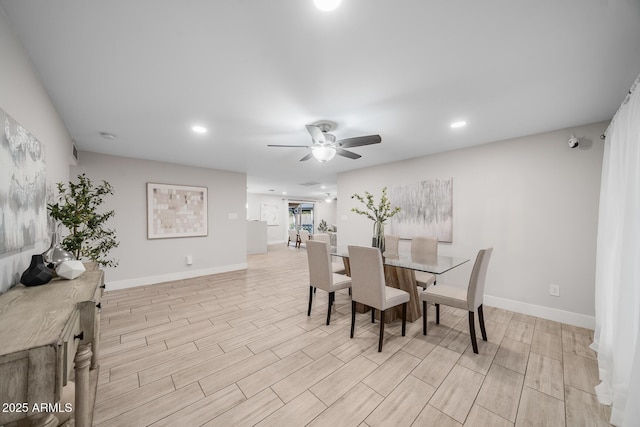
(310, 299)
(404, 318)
(314, 290)
(353, 317)
(481, 319)
(424, 318)
(472, 331)
(332, 296)
(381, 330)
(373, 315)
(437, 314)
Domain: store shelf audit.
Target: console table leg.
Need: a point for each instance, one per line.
(82, 362)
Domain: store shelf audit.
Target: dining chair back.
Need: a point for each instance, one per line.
(321, 275)
(303, 237)
(391, 243)
(293, 238)
(424, 250)
(469, 299)
(322, 237)
(368, 287)
(336, 267)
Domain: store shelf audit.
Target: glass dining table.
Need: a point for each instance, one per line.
(399, 272)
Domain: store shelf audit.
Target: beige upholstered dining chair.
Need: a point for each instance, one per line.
(469, 299)
(293, 238)
(336, 267)
(368, 287)
(321, 276)
(303, 237)
(424, 250)
(391, 243)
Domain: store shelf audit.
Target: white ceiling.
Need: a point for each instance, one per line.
(255, 72)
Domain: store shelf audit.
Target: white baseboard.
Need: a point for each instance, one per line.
(276, 242)
(548, 313)
(161, 278)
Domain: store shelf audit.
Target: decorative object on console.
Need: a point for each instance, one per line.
(77, 210)
(379, 215)
(37, 273)
(56, 254)
(70, 269)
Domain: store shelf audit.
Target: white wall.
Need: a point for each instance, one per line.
(23, 97)
(275, 233)
(326, 211)
(278, 233)
(534, 200)
(144, 261)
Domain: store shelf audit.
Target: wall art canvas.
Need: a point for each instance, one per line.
(270, 213)
(176, 211)
(23, 193)
(427, 209)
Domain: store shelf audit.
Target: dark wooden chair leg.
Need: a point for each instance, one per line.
(332, 296)
(373, 315)
(353, 317)
(310, 299)
(424, 318)
(481, 319)
(472, 331)
(437, 314)
(381, 330)
(404, 318)
(314, 290)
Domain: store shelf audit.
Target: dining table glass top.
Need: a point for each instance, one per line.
(431, 264)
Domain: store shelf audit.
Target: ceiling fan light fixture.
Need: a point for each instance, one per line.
(323, 153)
(327, 5)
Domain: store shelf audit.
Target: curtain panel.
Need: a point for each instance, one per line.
(617, 333)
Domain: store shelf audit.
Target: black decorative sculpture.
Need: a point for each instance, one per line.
(37, 273)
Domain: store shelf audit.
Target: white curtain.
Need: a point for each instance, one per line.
(617, 334)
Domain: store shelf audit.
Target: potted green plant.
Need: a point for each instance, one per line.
(78, 210)
(322, 226)
(378, 214)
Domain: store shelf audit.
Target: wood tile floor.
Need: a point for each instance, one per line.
(237, 349)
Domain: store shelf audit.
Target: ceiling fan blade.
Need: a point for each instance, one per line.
(349, 154)
(359, 141)
(277, 145)
(307, 157)
(316, 133)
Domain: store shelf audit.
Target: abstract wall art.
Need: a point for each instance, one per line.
(23, 193)
(270, 213)
(426, 209)
(176, 211)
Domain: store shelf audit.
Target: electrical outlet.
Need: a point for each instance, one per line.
(189, 260)
(554, 290)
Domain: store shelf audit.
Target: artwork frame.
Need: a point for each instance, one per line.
(24, 220)
(270, 213)
(426, 209)
(175, 211)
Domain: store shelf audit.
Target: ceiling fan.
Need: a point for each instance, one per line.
(325, 146)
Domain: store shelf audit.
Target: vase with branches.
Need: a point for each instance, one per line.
(77, 209)
(379, 214)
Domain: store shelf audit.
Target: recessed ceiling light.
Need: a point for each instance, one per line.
(327, 5)
(284, 193)
(459, 124)
(199, 129)
(108, 135)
